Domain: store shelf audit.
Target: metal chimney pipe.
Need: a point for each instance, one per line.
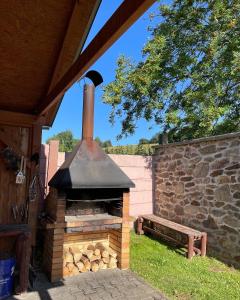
(88, 112)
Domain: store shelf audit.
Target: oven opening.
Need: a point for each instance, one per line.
(93, 204)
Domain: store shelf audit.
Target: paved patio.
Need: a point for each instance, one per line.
(102, 285)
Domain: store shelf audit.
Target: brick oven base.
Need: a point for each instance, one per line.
(56, 237)
(56, 240)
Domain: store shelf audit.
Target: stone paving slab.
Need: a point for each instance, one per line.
(102, 285)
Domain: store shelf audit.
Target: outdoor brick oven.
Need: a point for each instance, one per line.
(88, 202)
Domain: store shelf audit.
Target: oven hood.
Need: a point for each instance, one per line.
(88, 166)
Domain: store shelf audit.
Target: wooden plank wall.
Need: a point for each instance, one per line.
(10, 192)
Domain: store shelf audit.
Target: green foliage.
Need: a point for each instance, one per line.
(180, 278)
(104, 144)
(66, 140)
(97, 139)
(142, 149)
(188, 80)
(143, 141)
(107, 143)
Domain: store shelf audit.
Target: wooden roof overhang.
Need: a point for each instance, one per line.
(41, 51)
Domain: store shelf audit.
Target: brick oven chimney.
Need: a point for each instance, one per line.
(88, 112)
(88, 166)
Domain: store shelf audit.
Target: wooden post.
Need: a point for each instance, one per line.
(23, 260)
(140, 225)
(33, 205)
(190, 246)
(204, 244)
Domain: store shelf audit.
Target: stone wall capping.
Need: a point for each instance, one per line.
(199, 141)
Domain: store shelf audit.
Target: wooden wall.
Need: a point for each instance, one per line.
(10, 192)
(24, 141)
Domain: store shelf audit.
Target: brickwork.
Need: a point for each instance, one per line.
(53, 242)
(197, 184)
(56, 238)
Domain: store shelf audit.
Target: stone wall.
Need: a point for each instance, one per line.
(197, 183)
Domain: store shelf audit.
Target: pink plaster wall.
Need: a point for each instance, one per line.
(139, 170)
(137, 167)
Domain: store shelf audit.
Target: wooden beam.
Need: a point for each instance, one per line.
(71, 41)
(78, 28)
(15, 118)
(35, 145)
(127, 13)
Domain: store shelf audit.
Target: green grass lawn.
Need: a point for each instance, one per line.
(180, 278)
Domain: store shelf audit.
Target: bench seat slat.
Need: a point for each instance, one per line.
(172, 225)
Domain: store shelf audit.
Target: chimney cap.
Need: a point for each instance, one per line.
(95, 77)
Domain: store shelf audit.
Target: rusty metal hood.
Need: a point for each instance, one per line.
(88, 166)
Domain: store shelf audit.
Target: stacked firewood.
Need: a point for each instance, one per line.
(78, 259)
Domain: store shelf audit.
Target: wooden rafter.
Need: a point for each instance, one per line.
(127, 13)
(74, 30)
(9, 117)
(71, 45)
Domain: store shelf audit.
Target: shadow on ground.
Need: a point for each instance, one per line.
(102, 285)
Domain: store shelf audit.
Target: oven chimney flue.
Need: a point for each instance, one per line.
(88, 166)
(88, 112)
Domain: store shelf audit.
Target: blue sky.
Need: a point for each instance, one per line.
(70, 113)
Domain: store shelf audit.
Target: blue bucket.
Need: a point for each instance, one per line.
(6, 277)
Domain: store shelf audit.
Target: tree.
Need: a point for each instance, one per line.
(98, 140)
(107, 143)
(143, 141)
(157, 138)
(188, 80)
(104, 144)
(66, 140)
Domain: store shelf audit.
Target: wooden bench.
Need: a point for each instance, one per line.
(146, 223)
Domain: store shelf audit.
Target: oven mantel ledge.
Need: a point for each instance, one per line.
(85, 221)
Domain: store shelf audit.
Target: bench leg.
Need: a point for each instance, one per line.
(140, 226)
(203, 244)
(190, 246)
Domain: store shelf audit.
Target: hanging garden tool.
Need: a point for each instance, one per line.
(14, 212)
(20, 178)
(32, 193)
(36, 186)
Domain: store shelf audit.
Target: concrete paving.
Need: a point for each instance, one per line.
(102, 285)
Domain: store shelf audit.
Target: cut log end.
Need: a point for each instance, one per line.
(77, 259)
